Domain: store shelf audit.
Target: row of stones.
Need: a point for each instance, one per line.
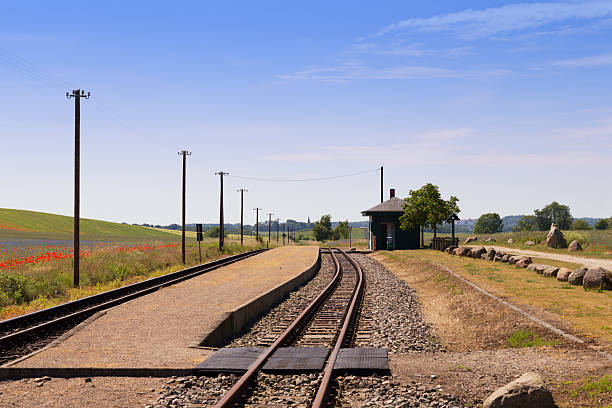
(590, 278)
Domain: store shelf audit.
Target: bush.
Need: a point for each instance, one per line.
(488, 224)
(601, 225)
(580, 225)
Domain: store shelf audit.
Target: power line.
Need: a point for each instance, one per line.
(307, 179)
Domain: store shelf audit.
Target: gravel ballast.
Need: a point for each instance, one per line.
(391, 314)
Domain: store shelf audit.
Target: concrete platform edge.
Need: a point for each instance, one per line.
(235, 320)
(17, 373)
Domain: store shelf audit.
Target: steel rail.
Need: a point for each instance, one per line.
(321, 398)
(46, 319)
(233, 396)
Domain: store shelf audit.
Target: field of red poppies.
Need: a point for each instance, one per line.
(36, 273)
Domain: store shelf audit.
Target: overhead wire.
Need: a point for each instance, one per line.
(304, 179)
(34, 72)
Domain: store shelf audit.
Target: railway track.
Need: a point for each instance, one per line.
(328, 320)
(25, 334)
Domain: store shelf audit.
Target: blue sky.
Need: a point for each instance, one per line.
(506, 105)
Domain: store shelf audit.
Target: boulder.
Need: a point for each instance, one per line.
(470, 239)
(541, 268)
(597, 278)
(563, 274)
(575, 278)
(490, 239)
(462, 251)
(515, 258)
(511, 241)
(498, 256)
(551, 272)
(506, 258)
(529, 243)
(491, 254)
(574, 246)
(555, 238)
(531, 267)
(450, 249)
(527, 391)
(522, 263)
(478, 251)
(483, 256)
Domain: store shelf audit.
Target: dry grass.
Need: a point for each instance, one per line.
(588, 313)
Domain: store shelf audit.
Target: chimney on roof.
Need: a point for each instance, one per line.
(392, 193)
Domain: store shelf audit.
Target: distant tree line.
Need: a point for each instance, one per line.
(323, 230)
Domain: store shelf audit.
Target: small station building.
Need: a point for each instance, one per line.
(385, 231)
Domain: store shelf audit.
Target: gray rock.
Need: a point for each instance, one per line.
(462, 251)
(523, 263)
(498, 256)
(490, 239)
(470, 239)
(450, 249)
(551, 272)
(506, 258)
(477, 252)
(555, 238)
(483, 256)
(491, 254)
(527, 391)
(563, 274)
(574, 246)
(575, 278)
(597, 278)
(541, 268)
(510, 241)
(529, 243)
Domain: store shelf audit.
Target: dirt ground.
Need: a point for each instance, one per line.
(101, 392)
(475, 330)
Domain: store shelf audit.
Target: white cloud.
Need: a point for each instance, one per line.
(462, 147)
(347, 71)
(585, 62)
(472, 24)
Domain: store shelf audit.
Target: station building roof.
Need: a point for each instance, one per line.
(392, 205)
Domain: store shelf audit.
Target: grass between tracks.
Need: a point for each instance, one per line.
(589, 313)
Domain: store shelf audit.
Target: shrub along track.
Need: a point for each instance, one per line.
(25, 334)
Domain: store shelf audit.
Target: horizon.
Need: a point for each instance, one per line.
(505, 105)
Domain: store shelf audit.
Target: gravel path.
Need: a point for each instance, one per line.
(391, 314)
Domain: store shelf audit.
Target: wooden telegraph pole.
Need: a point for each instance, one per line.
(257, 209)
(183, 153)
(77, 94)
(221, 227)
(269, 227)
(242, 190)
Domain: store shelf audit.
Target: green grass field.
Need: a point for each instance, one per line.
(31, 224)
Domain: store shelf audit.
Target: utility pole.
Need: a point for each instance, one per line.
(381, 184)
(77, 94)
(242, 190)
(277, 229)
(350, 236)
(269, 226)
(221, 227)
(184, 153)
(257, 209)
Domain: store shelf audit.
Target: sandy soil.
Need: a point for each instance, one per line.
(475, 329)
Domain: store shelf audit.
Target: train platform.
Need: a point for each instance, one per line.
(162, 330)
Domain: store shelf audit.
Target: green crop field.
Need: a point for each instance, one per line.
(39, 225)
